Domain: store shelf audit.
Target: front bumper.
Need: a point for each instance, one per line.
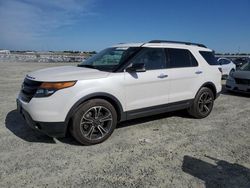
(232, 86)
(52, 129)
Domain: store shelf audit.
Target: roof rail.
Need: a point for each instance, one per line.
(177, 42)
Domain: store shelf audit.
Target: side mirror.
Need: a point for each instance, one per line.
(138, 67)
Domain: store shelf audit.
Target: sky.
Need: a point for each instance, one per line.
(86, 25)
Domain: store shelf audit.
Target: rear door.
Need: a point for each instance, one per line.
(150, 88)
(184, 73)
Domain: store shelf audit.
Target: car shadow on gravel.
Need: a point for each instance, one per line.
(220, 174)
(180, 113)
(17, 125)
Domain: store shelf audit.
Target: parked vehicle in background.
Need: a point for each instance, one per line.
(227, 66)
(240, 61)
(123, 82)
(239, 80)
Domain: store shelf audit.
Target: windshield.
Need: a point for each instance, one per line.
(109, 59)
(245, 67)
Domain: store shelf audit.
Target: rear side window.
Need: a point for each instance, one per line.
(209, 57)
(181, 58)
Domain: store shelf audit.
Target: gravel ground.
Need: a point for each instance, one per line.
(168, 150)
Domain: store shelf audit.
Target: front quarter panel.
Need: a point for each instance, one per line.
(56, 107)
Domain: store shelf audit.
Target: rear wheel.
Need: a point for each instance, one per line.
(203, 103)
(94, 122)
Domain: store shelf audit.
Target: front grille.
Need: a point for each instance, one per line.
(29, 89)
(242, 81)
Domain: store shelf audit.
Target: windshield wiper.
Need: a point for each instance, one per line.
(87, 66)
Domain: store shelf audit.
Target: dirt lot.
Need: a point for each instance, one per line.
(169, 150)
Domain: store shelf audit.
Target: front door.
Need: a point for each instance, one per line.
(150, 88)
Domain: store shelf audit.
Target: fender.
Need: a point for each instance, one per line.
(114, 101)
(211, 86)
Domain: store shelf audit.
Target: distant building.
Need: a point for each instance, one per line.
(4, 52)
(29, 52)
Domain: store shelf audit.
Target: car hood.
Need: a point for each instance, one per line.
(242, 74)
(66, 73)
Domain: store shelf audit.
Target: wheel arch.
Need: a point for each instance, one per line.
(211, 86)
(108, 97)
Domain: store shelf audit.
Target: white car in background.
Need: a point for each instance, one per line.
(227, 66)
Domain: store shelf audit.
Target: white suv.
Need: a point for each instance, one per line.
(122, 82)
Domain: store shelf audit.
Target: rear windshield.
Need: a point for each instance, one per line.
(209, 57)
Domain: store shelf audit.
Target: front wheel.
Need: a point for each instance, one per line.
(203, 103)
(94, 122)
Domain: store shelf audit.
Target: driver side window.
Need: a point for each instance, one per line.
(153, 58)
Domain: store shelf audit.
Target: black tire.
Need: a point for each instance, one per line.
(94, 122)
(203, 103)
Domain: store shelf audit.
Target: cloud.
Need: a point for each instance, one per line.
(24, 23)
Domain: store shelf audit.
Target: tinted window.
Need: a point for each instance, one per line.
(153, 58)
(209, 57)
(194, 62)
(181, 58)
(220, 61)
(225, 62)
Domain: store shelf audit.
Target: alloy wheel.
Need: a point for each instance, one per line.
(96, 123)
(205, 103)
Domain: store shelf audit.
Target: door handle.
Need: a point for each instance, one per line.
(162, 76)
(198, 72)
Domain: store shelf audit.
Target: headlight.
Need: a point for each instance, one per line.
(48, 88)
